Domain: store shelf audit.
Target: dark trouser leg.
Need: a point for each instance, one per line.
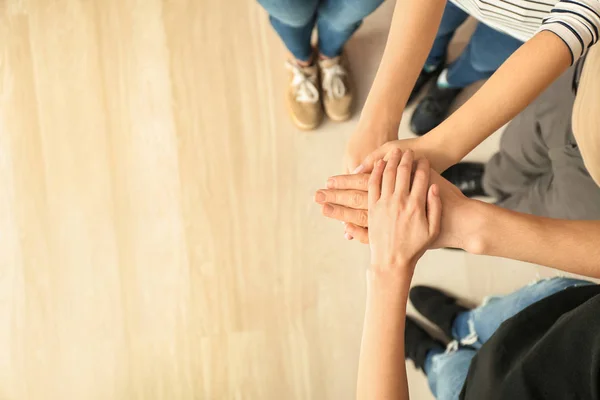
(486, 52)
(293, 20)
(453, 18)
(337, 20)
(539, 169)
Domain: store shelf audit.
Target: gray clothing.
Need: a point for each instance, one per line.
(539, 169)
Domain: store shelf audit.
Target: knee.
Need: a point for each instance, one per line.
(487, 57)
(349, 15)
(484, 61)
(294, 13)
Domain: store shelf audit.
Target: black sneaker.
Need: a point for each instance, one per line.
(422, 80)
(417, 343)
(433, 109)
(436, 306)
(468, 177)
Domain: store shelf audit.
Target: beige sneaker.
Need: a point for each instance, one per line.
(303, 96)
(337, 91)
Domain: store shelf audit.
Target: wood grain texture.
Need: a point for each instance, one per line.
(158, 238)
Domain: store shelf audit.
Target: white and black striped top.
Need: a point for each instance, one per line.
(576, 22)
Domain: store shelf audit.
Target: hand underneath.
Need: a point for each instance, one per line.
(404, 218)
(363, 142)
(439, 157)
(346, 199)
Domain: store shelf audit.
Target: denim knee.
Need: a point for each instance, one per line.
(484, 61)
(346, 15)
(294, 13)
(488, 49)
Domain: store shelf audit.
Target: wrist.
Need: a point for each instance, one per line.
(443, 150)
(476, 228)
(379, 122)
(393, 277)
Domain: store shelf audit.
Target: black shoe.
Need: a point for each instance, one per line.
(422, 80)
(433, 109)
(417, 343)
(436, 306)
(468, 177)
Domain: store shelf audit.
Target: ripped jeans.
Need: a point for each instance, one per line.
(446, 371)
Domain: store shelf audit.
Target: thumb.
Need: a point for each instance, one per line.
(368, 163)
(434, 210)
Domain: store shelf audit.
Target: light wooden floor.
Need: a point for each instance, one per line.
(158, 238)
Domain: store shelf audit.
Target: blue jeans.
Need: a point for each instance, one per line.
(447, 371)
(336, 21)
(485, 53)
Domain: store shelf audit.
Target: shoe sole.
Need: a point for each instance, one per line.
(305, 127)
(301, 125)
(339, 118)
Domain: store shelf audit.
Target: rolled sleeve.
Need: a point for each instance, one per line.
(576, 22)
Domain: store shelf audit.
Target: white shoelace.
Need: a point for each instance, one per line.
(333, 83)
(304, 85)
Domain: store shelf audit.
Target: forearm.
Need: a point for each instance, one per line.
(413, 29)
(513, 86)
(571, 246)
(382, 371)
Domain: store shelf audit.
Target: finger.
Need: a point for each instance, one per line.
(403, 173)
(347, 235)
(356, 182)
(420, 182)
(434, 210)
(369, 162)
(341, 213)
(375, 182)
(357, 199)
(389, 175)
(359, 233)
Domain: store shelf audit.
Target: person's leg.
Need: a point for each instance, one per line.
(539, 169)
(337, 20)
(452, 19)
(486, 52)
(523, 155)
(293, 20)
(475, 327)
(447, 371)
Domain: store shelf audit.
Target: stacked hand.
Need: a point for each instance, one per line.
(346, 199)
(361, 154)
(404, 214)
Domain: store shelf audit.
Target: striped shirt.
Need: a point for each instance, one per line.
(576, 22)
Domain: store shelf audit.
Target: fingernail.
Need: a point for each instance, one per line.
(348, 236)
(319, 197)
(330, 183)
(358, 169)
(435, 190)
(328, 209)
(397, 151)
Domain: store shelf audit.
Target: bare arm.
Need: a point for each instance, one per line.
(526, 73)
(414, 25)
(382, 371)
(571, 246)
(411, 36)
(481, 228)
(405, 220)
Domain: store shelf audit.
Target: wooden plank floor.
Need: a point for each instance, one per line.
(158, 238)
